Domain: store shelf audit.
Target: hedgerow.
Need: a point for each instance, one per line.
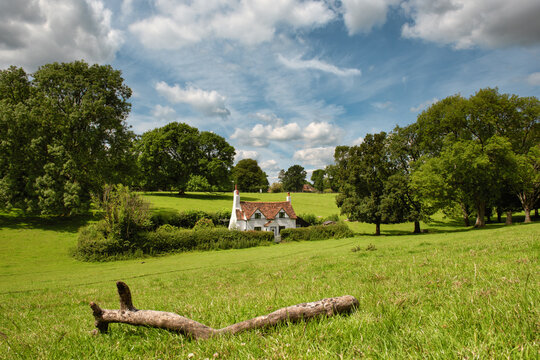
(319, 232)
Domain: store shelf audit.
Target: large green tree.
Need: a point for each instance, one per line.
(64, 135)
(293, 179)
(172, 155)
(478, 125)
(402, 199)
(249, 177)
(318, 179)
(362, 173)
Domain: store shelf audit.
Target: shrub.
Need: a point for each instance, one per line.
(203, 223)
(187, 219)
(318, 232)
(94, 246)
(311, 219)
(276, 187)
(124, 212)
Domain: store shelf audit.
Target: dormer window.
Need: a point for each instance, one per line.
(257, 215)
(282, 214)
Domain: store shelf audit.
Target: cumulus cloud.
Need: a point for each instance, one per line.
(358, 141)
(534, 79)
(33, 33)
(318, 156)
(270, 165)
(209, 103)
(164, 112)
(299, 64)
(178, 24)
(361, 16)
(260, 135)
(424, 105)
(245, 154)
(465, 24)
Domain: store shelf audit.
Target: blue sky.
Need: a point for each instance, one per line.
(285, 81)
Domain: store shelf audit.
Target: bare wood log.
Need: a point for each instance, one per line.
(128, 314)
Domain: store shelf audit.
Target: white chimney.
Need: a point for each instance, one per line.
(288, 197)
(235, 206)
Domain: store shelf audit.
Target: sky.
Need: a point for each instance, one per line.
(284, 81)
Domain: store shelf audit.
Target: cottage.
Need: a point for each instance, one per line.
(263, 216)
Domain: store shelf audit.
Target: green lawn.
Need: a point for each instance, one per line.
(446, 294)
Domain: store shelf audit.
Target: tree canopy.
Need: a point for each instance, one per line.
(249, 177)
(293, 179)
(170, 156)
(64, 135)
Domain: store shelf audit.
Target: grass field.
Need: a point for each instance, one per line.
(446, 294)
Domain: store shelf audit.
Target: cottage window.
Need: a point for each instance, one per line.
(257, 215)
(281, 228)
(257, 228)
(282, 215)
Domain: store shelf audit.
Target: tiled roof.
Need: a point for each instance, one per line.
(268, 209)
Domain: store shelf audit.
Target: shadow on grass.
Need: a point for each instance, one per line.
(440, 227)
(69, 224)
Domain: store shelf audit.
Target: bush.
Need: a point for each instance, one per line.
(311, 219)
(94, 246)
(318, 232)
(276, 187)
(187, 219)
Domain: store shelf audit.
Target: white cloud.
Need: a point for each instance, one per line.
(33, 33)
(319, 156)
(269, 165)
(424, 105)
(210, 103)
(245, 154)
(464, 23)
(534, 79)
(321, 133)
(387, 105)
(249, 22)
(299, 64)
(361, 16)
(164, 112)
(358, 141)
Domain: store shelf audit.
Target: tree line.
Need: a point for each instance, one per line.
(475, 156)
(64, 136)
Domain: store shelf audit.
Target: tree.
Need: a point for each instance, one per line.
(293, 179)
(362, 172)
(64, 136)
(491, 127)
(402, 199)
(169, 156)
(318, 179)
(249, 177)
(527, 180)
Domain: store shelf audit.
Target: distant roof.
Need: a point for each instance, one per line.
(268, 209)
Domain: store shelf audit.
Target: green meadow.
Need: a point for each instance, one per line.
(452, 292)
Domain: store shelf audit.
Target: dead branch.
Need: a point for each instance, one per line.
(128, 314)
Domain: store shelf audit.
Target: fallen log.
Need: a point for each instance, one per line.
(128, 314)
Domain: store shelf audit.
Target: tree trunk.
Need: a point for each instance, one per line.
(480, 214)
(416, 227)
(499, 215)
(378, 229)
(536, 213)
(508, 217)
(465, 215)
(527, 214)
(128, 314)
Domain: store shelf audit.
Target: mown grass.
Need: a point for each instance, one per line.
(456, 294)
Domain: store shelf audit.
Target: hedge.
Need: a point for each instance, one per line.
(319, 232)
(187, 219)
(94, 246)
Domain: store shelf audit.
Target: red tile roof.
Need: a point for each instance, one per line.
(268, 209)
